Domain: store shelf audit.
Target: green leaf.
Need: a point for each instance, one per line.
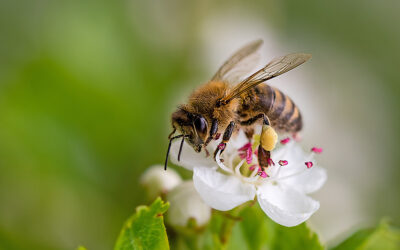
(260, 232)
(145, 229)
(383, 237)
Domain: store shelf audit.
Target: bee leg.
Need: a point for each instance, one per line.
(213, 131)
(264, 157)
(254, 119)
(227, 135)
(267, 141)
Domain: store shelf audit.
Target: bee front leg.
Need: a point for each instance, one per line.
(227, 135)
(213, 131)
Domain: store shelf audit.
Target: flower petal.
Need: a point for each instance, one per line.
(189, 157)
(185, 204)
(219, 191)
(308, 181)
(295, 157)
(284, 205)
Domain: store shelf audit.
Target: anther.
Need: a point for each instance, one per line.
(309, 164)
(263, 174)
(252, 167)
(285, 141)
(222, 146)
(316, 150)
(283, 162)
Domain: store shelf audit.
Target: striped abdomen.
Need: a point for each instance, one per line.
(280, 109)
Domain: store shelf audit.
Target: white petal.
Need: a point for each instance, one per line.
(185, 204)
(309, 181)
(286, 206)
(189, 157)
(292, 153)
(219, 191)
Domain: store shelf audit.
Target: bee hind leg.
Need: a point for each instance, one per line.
(268, 139)
(227, 135)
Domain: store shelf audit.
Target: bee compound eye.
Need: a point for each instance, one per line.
(201, 125)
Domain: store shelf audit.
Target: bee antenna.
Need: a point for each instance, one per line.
(169, 148)
(180, 148)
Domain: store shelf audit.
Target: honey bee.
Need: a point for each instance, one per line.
(223, 106)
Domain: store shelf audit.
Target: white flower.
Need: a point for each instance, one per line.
(281, 191)
(157, 181)
(185, 204)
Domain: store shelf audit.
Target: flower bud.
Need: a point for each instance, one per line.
(186, 204)
(157, 181)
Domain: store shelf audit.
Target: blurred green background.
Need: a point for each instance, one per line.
(87, 87)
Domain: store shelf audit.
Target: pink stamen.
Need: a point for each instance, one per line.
(263, 174)
(283, 162)
(222, 146)
(246, 152)
(252, 167)
(309, 164)
(249, 156)
(270, 162)
(217, 135)
(316, 150)
(286, 140)
(245, 147)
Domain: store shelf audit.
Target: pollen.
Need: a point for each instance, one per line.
(283, 162)
(316, 150)
(268, 138)
(309, 164)
(285, 141)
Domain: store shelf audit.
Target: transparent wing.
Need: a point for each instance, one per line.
(240, 63)
(273, 69)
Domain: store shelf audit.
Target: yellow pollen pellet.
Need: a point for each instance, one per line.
(269, 138)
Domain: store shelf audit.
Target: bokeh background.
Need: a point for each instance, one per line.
(87, 87)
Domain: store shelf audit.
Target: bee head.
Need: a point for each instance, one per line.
(194, 127)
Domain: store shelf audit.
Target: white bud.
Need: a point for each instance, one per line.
(157, 181)
(185, 204)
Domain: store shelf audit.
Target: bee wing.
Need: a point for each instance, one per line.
(240, 63)
(276, 67)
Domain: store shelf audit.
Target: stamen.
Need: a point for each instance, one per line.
(270, 162)
(237, 168)
(309, 164)
(246, 152)
(263, 174)
(245, 147)
(286, 140)
(316, 150)
(222, 146)
(220, 164)
(254, 176)
(283, 162)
